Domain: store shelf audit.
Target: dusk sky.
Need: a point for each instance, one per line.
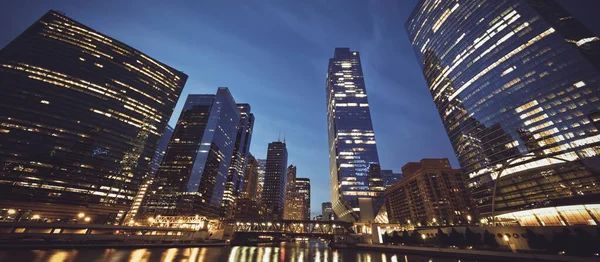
(274, 55)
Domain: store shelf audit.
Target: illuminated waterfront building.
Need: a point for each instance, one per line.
(430, 194)
(352, 146)
(516, 84)
(273, 193)
(80, 118)
(292, 199)
(161, 148)
(192, 175)
(239, 159)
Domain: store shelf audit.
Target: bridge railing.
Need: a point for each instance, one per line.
(293, 226)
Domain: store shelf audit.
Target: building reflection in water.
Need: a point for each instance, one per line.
(288, 252)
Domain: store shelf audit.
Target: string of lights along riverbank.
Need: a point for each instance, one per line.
(516, 84)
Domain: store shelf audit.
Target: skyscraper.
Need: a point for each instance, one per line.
(293, 200)
(192, 175)
(273, 194)
(239, 159)
(352, 146)
(161, 148)
(80, 117)
(262, 166)
(251, 179)
(303, 189)
(516, 85)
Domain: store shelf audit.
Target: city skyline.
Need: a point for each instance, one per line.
(294, 137)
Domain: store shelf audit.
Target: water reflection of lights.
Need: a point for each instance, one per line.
(234, 251)
(193, 254)
(383, 257)
(139, 255)
(61, 256)
(170, 255)
(267, 254)
(394, 258)
(335, 256)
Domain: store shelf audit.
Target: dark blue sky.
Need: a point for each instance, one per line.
(273, 55)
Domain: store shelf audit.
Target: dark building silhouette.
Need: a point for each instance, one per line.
(192, 175)
(389, 177)
(80, 118)
(273, 193)
(515, 83)
(352, 146)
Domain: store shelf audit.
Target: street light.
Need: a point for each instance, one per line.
(87, 219)
(12, 211)
(80, 215)
(35, 217)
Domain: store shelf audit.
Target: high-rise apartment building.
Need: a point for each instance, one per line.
(327, 212)
(239, 159)
(251, 179)
(516, 83)
(352, 146)
(161, 148)
(192, 175)
(431, 194)
(80, 118)
(273, 194)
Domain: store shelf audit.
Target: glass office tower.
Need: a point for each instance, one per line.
(161, 149)
(516, 84)
(80, 118)
(273, 193)
(192, 175)
(352, 146)
(239, 159)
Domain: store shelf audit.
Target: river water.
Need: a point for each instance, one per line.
(287, 252)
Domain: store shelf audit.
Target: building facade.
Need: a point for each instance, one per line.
(431, 194)
(262, 166)
(250, 210)
(239, 159)
(161, 148)
(327, 212)
(293, 200)
(273, 193)
(516, 83)
(192, 175)
(389, 177)
(80, 117)
(303, 189)
(351, 138)
(250, 185)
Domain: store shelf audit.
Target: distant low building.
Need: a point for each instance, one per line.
(327, 212)
(430, 194)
